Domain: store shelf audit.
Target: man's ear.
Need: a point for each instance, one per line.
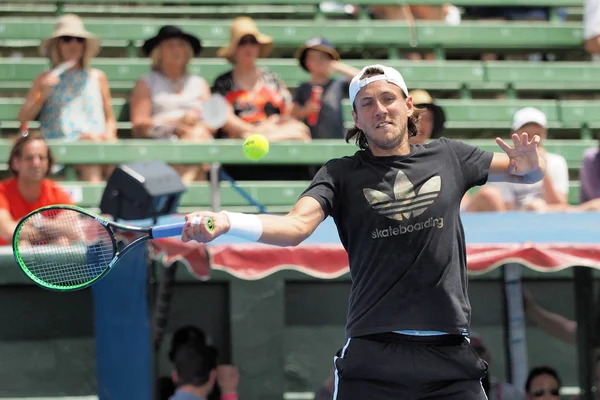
(410, 106)
(355, 118)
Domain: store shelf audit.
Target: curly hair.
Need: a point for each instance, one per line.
(360, 137)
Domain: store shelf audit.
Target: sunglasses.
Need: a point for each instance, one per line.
(69, 39)
(247, 40)
(541, 392)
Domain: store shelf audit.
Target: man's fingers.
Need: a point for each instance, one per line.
(524, 138)
(503, 145)
(536, 140)
(515, 139)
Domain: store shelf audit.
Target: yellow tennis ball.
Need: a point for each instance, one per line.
(256, 147)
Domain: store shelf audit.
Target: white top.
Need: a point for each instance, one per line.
(520, 194)
(167, 103)
(591, 19)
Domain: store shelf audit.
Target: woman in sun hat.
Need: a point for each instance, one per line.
(71, 100)
(167, 103)
(261, 102)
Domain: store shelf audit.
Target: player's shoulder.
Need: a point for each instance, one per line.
(342, 165)
(440, 144)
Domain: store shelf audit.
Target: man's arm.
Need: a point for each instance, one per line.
(280, 230)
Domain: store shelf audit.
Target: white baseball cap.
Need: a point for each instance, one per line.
(529, 115)
(389, 74)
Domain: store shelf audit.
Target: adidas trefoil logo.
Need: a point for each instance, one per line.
(406, 203)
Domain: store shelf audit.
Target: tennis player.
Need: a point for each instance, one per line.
(396, 207)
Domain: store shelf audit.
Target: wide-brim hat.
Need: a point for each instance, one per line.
(423, 99)
(240, 27)
(71, 25)
(316, 43)
(171, 32)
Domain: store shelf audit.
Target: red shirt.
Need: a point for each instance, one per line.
(12, 200)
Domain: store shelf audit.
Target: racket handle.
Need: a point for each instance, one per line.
(163, 231)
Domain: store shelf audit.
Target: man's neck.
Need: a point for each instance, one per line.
(200, 392)
(29, 190)
(401, 150)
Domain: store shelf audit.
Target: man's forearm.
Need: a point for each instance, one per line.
(278, 230)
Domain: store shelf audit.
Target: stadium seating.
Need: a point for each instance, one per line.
(462, 115)
(459, 76)
(278, 196)
(127, 33)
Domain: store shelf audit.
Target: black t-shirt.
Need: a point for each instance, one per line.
(398, 218)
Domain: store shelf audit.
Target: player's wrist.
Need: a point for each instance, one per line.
(245, 226)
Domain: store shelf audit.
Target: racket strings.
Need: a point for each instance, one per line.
(64, 249)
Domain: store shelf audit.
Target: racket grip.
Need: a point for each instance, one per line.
(163, 231)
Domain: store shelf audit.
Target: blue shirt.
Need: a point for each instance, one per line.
(183, 395)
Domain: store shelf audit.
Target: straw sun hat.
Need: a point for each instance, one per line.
(241, 27)
(71, 25)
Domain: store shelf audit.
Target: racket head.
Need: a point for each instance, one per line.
(215, 110)
(64, 248)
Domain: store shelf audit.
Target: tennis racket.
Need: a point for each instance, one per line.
(66, 248)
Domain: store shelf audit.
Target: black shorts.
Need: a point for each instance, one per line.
(393, 366)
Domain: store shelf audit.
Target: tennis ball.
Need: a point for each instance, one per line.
(256, 147)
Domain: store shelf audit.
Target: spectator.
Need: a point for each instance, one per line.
(591, 23)
(261, 102)
(30, 163)
(72, 100)
(320, 59)
(495, 390)
(431, 120)
(549, 195)
(559, 326)
(195, 371)
(589, 176)
(227, 376)
(167, 103)
(543, 383)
